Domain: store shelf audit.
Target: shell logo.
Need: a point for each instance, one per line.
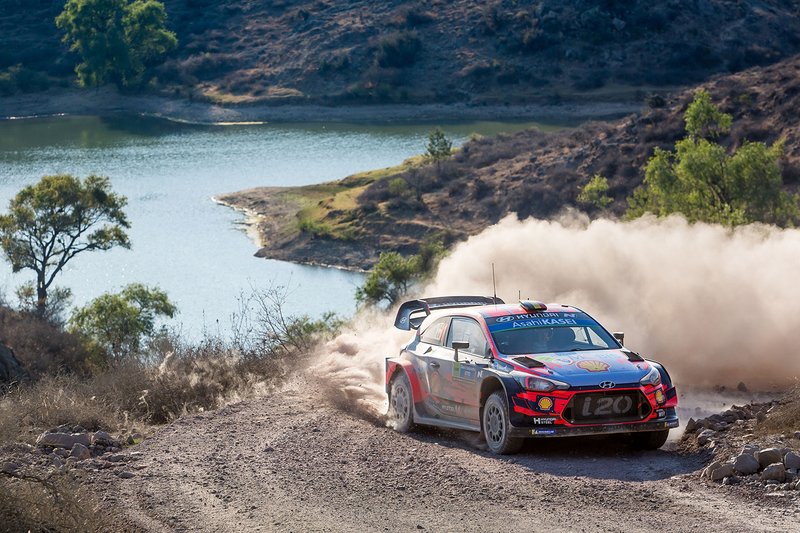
(593, 366)
(659, 396)
(545, 403)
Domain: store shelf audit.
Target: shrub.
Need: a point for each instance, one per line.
(595, 192)
(399, 50)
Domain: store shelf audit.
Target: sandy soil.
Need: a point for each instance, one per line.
(282, 463)
(106, 101)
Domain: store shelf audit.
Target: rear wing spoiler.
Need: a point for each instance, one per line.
(413, 312)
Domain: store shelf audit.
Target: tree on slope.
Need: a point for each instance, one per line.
(701, 180)
(117, 41)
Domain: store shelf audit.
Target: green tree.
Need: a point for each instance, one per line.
(52, 221)
(389, 279)
(595, 193)
(704, 120)
(117, 40)
(116, 324)
(704, 182)
(439, 147)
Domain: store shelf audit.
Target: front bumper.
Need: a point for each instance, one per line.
(667, 422)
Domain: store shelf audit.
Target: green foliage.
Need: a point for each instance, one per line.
(52, 221)
(439, 147)
(18, 78)
(704, 120)
(58, 301)
(398, 187)
(116, 324)
(118, 41)
(390, 278)
(595, 192)
(705, 183)
(398, 50)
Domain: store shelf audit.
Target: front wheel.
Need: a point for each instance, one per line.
(649, 440)
(401, 404)
(496, 426)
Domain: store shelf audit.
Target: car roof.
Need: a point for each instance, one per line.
(488, 311)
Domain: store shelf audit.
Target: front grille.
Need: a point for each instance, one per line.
(607, 407)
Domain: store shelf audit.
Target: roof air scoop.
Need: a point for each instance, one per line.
(532, 306)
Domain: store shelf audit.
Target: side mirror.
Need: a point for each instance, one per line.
(459, 345)
(620, 336)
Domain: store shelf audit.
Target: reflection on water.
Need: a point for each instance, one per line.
(181, 240)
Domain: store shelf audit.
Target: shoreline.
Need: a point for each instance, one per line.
(75, 102)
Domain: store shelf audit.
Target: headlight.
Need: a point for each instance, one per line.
(537, 384)
(652, 378)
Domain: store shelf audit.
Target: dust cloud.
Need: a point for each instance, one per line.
(716, 306)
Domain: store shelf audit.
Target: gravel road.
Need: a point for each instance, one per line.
(281, 463)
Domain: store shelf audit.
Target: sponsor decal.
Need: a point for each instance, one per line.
(543, 432)
(544, 420)
(545, 403)
(501, 366)
(465, 372)
(592, 365)
(672, 424)
(555, 360)
(659, 396)
(535, 320)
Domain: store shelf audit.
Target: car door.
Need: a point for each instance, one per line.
(464, 375)
(431, 357)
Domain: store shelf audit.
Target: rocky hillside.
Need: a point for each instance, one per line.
(333, 51)
(529, 173)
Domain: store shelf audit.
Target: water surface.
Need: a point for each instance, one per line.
(181, 240)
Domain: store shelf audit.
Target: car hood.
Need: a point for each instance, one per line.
(589, 368)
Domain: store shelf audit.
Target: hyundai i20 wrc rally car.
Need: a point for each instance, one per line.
(524, 370)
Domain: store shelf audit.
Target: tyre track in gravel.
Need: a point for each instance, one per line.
(280, 463)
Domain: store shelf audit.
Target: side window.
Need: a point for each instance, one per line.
(434, 334)
(467, 330)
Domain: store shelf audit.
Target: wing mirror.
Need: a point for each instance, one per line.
(459, 345)
(620, 336)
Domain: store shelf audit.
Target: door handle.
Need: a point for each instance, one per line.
(434, 364)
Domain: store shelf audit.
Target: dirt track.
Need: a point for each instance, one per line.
(280, 464)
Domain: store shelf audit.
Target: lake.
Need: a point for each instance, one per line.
(182, 242)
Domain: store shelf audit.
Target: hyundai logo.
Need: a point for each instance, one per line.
(607, 384)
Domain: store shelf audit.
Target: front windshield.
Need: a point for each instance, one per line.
(548, 332)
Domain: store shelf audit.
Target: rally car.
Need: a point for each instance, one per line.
(524, 370)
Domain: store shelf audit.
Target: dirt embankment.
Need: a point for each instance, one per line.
(289, 462)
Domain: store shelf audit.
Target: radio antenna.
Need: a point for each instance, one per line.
(494, 285)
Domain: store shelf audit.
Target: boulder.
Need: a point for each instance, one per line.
(769, 456)
(80, 452)
(721, 472)
(746, 464)
(62, 440)
(10, 367)
(774, 472)
(104, 439)
(710, 468)
(705, 436)
(791, 460)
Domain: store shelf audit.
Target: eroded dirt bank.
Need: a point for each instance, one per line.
(285, 463)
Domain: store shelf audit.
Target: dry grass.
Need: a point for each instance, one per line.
(784, 418)
(55, 503)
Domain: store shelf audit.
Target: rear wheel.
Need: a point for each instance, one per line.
(496, 426)
(401, 403)
(649, 440)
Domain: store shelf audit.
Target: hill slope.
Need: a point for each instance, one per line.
(240, 51)
(529, 173)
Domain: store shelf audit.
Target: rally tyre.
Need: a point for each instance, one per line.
(649, 440)
(401, 403)
(496, 426)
